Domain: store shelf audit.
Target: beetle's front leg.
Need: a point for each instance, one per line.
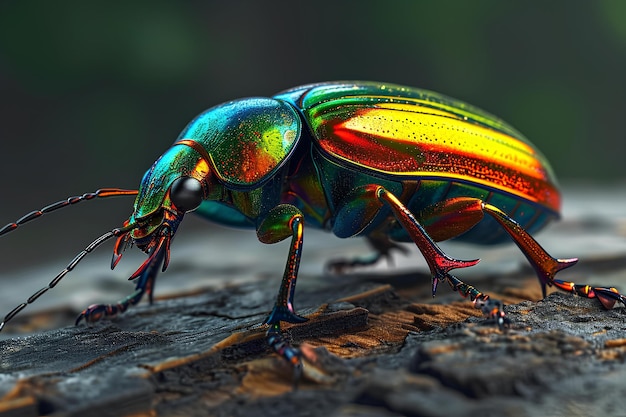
(281, 222)
(145, 284)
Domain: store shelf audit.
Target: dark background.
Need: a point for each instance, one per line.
(92, 92)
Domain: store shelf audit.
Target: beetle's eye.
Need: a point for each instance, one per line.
(186, 193)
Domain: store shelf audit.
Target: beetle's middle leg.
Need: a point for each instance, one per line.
(363, 205)
(281, 222)
(440, 264)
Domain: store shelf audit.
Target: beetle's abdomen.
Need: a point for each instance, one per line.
(408, 133)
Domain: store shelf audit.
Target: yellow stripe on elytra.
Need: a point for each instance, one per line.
(435, 130)
(452, 109)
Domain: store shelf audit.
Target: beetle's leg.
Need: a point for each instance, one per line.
(281, 222)
(492, 308)
(145, 275)
(448, 219)
(607, 296)
(451, 217)
(444, 220)
(439, 263)
(382, 247)
(96, 312)
(546, 266)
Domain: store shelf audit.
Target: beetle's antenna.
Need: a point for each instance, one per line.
(103, 192)
(93, 245)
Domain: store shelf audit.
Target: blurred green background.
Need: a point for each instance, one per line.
(92, 92)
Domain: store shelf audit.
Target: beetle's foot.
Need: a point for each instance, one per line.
(284, 313)
(96, 312)
(440, 267)
(493, 310)
(285, 350)
(607, 296)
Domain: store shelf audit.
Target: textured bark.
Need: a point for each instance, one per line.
(377, 344)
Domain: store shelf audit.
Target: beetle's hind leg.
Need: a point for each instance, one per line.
(450, 217)
(546, 266)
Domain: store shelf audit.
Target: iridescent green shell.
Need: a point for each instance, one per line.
(407, 133)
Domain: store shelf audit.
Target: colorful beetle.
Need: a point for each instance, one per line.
(382, 161)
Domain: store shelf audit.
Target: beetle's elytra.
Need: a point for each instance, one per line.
(382, 161)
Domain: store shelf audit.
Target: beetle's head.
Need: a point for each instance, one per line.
(175, 184)
(182, 195)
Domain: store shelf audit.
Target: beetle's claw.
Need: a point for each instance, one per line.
(608, 296)
(283, 313)
(92, 314)
(97, 312)
(283, 348)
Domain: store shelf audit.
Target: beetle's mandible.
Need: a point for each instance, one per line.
(382, 161)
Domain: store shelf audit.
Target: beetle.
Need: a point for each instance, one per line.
(382, 161)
